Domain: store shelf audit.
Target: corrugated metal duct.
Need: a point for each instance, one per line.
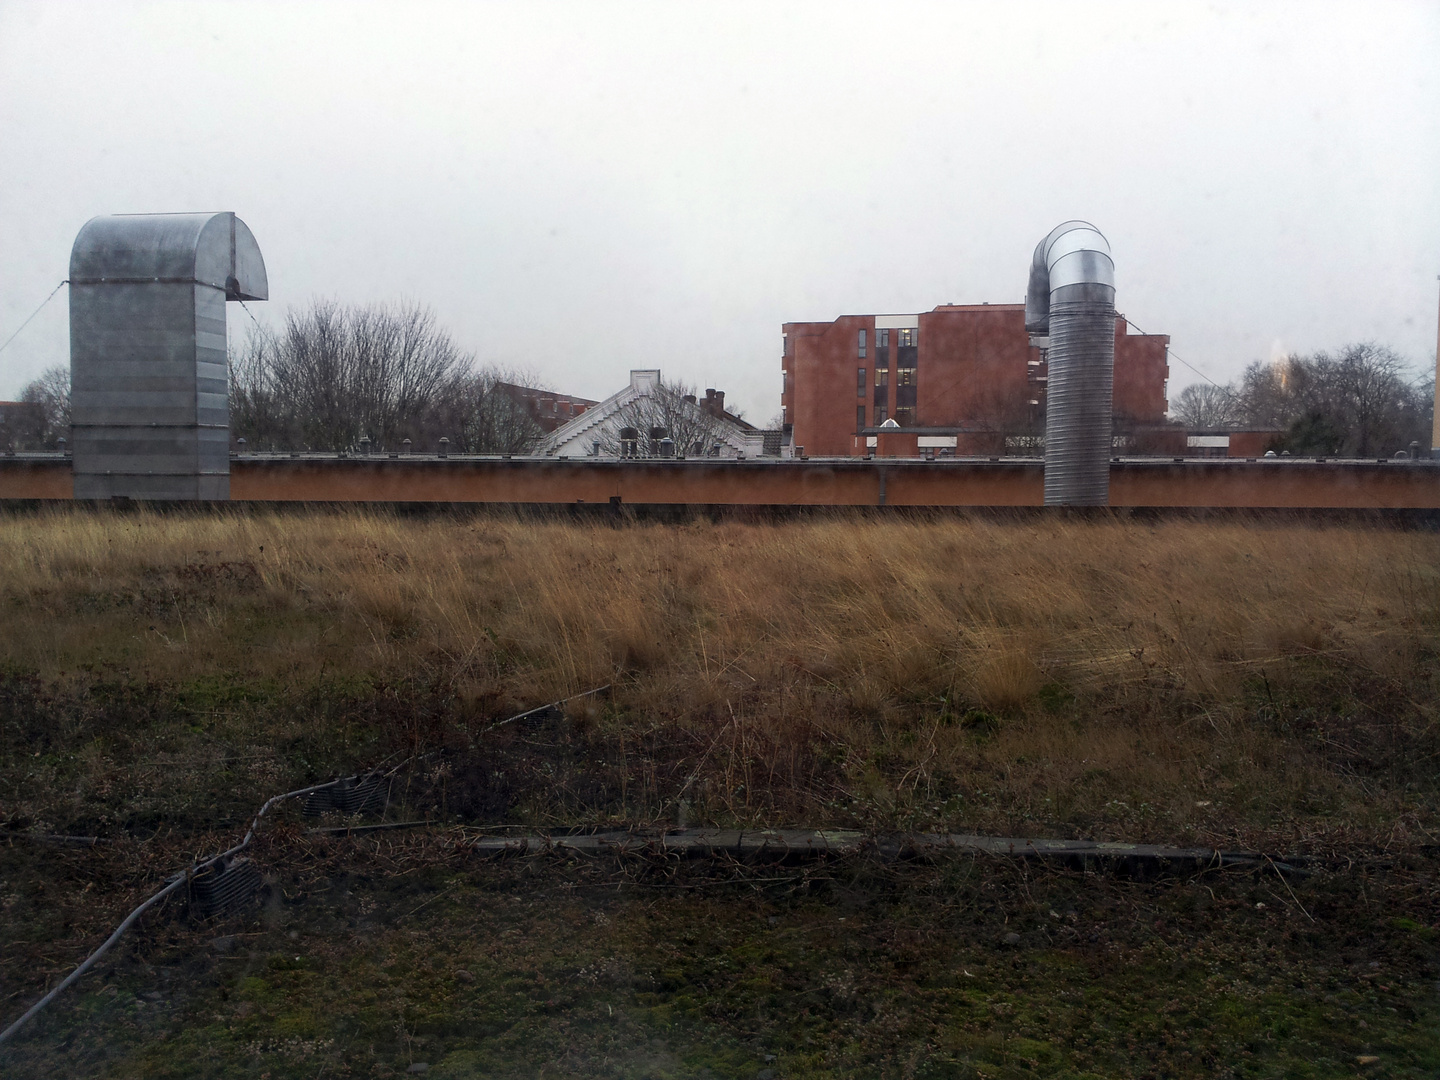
(148, 366)
(1071, 299)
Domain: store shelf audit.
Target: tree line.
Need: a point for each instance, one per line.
(1357, 402)
(44, 418)
(342, 378)
(345, 378)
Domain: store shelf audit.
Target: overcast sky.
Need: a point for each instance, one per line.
(580, 189)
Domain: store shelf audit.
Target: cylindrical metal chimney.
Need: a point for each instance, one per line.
(1071, 299)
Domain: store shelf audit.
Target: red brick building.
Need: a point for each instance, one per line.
(549, 409)
(965, 379)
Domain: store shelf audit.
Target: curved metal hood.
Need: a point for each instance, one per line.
(215, 249)
(1072, 263)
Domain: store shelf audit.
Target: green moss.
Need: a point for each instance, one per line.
(1420, 930)
(1056, 698)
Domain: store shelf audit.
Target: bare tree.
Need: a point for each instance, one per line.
(335, 375)
(1368, 392)
(255, 404)
(665, 412)
(1205, 405)
(317, 373)
(301, 387)
(481, 412)
(1268, 394)
(406, 365)
(1008, 412)
(1357, 401)
(50, 394)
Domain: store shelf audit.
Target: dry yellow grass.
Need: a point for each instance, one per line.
(1047, 666)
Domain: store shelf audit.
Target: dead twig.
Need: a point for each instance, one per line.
(1288, 889)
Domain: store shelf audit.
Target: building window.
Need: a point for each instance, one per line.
(906, 395)
(882, 376)
(784, 382)
(860, 345)
(882, 339)
(784, 344)
(860, 382)
(880, 413)
(859, 417)
(906, 376)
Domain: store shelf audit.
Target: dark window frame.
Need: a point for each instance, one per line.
(860, 345)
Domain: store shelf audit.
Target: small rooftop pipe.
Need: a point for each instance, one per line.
(1071, 299)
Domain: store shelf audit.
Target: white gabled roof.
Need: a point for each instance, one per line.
(586, 428)
(641, 382)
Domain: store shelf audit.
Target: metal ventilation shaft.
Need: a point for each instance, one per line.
(148, 364)
(1071, 299)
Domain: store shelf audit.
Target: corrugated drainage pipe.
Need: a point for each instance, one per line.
(1071, 300)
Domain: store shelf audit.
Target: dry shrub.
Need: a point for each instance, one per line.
(916, 669)
(1005, 677)
(635, 634)
(1296, 636)
(869, 697)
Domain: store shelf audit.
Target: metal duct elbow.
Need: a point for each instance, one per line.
(1071, 299)
(1072, 264)
(149, 373)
